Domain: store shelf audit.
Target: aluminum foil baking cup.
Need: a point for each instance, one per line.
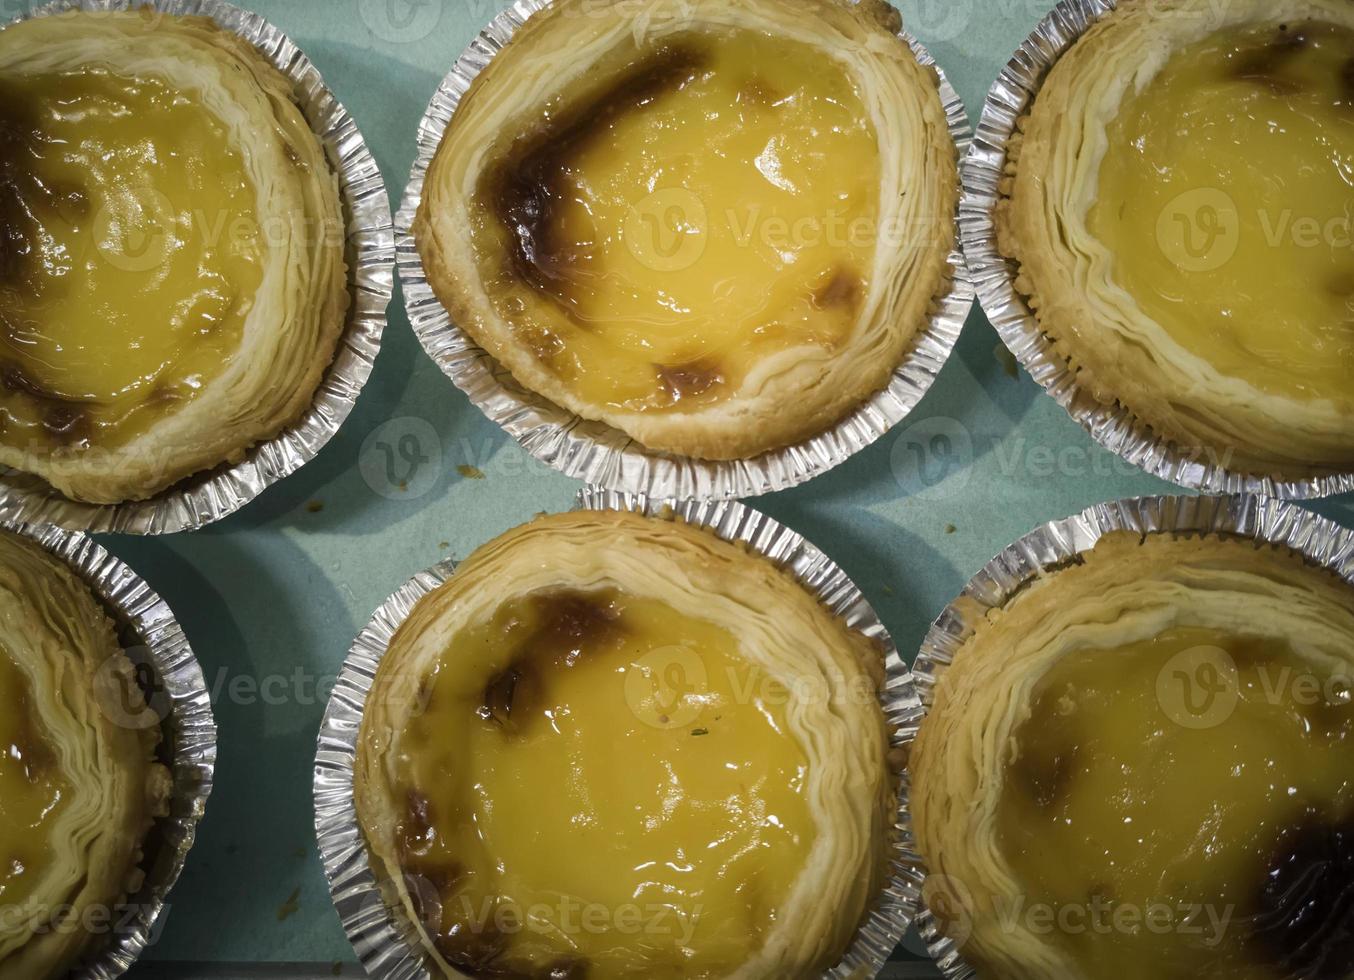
(1060, 543)
(594, 451)
(176, 691)
(1113, 426)
(370, 253)
(383, 939)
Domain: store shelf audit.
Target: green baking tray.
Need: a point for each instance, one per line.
(272, 597)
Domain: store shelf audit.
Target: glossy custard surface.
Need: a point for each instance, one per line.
(715, 201)
(33, 790)
(132, 254)
(1227, 200)
(1186, 805)
(599, 786)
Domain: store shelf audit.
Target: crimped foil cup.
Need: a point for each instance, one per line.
(385, 942)
(177, 693)
(594, 451)
(370, 253)
(1113, 426)
(1059, 543)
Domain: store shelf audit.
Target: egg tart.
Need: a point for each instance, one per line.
(1179, 204)
(714, 225)
(172, 285)
(1140, 767)
(618, 746)
(79, 782)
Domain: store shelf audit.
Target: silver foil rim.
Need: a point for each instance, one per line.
(370, 253)
(386, 943)
(179, 696)
(1058, 543)
(594, 451)
(1113, 426)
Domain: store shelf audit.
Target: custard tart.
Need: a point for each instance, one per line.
(1142, 766)
(172, 284)
(80, 786)
(717, 226)
(619, 746)
(1179, 204)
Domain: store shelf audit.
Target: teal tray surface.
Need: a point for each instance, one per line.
(271, 597)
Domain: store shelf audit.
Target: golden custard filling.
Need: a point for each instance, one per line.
(600, 786)
(132, 255)
(33, 790)
(1227, 201)
(1184, 806)
(712, 203)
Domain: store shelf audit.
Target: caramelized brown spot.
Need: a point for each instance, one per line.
(1249, 652)
(424, 696)
(1304, 921)
(1045, 779)
(1341, 284)
(567, 624)
(427, 901)
(1100, 893)
(292, 156)
(66, 424)
(417, 833)
(65, 421)
(500, 697)
(688, 380)
(573, 621)
(530, 185)
(756, 92)
(570, 969)
(1347, 82)
(430, 885)
(1264, 65)
(473, 944)
(1047, 760)
(20, 188)
(14, 378)
(842, 290)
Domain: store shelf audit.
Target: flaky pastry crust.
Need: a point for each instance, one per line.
(293, 326)
(779, 627)
(793, 394)
(1126, 590)
(84, 699)
(1119, 354)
